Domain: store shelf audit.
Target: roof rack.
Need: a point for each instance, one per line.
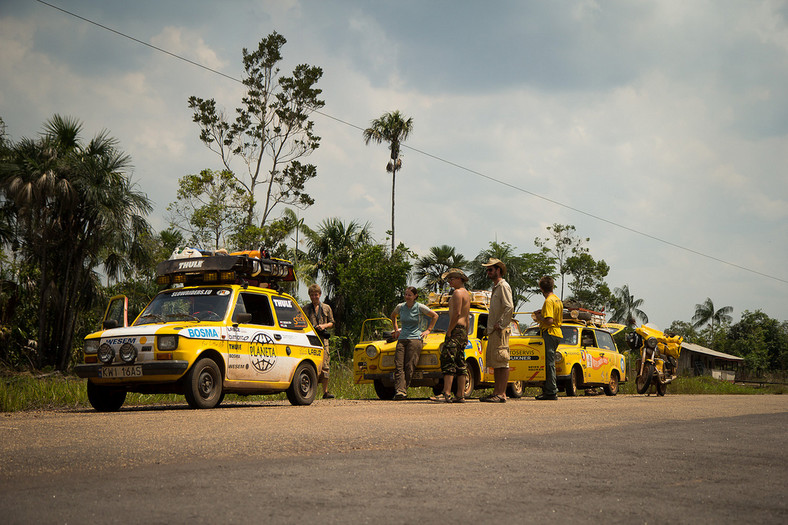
(225, 269)
(479, 299)
(583, 315)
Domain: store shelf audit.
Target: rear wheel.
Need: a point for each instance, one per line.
(384, 392)
(105, 398)
(644, 380)
(611, 388)
(575, 379)
(515, 390)
(203, 384)
(303, 388)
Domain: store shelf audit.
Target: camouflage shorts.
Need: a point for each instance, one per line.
(453, 352)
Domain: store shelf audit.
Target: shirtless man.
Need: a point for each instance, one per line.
(453, 351)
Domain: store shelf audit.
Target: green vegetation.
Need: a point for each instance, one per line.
(20, 392)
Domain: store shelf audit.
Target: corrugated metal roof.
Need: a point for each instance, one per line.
(709, 351)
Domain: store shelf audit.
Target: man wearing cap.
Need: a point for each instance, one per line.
(498, 329)
(453, 349)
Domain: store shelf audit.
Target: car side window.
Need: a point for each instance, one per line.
(587, 339)
(289, 314)
(257, 305)
(605, 340)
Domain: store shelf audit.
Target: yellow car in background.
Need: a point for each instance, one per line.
(223, 328)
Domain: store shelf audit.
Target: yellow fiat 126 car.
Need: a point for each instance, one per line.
(223, 327)
(587, 357)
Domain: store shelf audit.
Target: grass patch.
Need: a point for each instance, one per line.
(19, 392)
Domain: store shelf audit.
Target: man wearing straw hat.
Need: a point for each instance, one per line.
(498, 329)
(453, 349)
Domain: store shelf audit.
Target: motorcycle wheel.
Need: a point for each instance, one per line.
(644, 380)
(662, 388)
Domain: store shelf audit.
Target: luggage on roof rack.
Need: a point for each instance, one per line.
(224, 269)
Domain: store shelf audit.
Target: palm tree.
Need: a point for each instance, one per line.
(705, 313)
(332, 244)
(392, 128)
(626, 308)
(76, 211)
(431, 267)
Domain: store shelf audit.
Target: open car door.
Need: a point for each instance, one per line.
(117, 313)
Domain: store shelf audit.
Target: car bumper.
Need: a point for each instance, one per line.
(156, 368)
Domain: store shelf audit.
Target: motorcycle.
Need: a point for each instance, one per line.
(658, 362)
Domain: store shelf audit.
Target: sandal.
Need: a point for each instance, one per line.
(441, 398)
(493, 399)
(458, 400)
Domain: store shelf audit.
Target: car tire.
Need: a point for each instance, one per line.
(575, 380)
(611, 388)
(303, 388)
(105, 398)
(203, 384)
(386, 393)
(515, 390)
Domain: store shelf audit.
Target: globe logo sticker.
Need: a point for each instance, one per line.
(262, 352)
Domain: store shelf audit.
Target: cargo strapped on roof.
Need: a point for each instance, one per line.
(223, 269)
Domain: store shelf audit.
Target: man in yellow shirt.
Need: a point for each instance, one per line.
(549, 319)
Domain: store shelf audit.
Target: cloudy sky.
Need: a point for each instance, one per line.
(658, 128)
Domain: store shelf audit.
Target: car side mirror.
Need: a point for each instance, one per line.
(109, 323)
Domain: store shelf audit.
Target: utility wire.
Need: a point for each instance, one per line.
(439, 159)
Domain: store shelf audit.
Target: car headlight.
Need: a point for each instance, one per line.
(558, 357)
(106, 354)
(91, 346)
(372, 351)
(167, 342)
(128, 353)
(651, 342)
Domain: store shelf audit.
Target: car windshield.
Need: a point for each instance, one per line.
(443, 322)
(569, 334)
(198, 304)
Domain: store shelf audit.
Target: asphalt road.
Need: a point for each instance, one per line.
(623, 459)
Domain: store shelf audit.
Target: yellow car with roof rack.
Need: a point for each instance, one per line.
(224, 327)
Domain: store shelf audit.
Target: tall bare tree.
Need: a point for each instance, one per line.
(271, 131)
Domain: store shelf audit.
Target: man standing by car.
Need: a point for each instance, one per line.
(549, 319)
(322, 318)
(498, 329)
(453, 349)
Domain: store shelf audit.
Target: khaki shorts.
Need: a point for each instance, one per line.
(497, 354)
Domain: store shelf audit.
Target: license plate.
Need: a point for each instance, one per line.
(121, 371)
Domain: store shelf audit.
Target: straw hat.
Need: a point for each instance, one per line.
(455, 272)
(496, 262)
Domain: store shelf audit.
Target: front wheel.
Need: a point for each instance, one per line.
(104, 398)
(515, 390)
(203, 384)
(303, 388)
(611, 388)
(386, 393)
(575, 379)
(644, 380)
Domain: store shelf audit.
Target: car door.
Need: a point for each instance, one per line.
(607, 347)
(596, 362)
(252, 352)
